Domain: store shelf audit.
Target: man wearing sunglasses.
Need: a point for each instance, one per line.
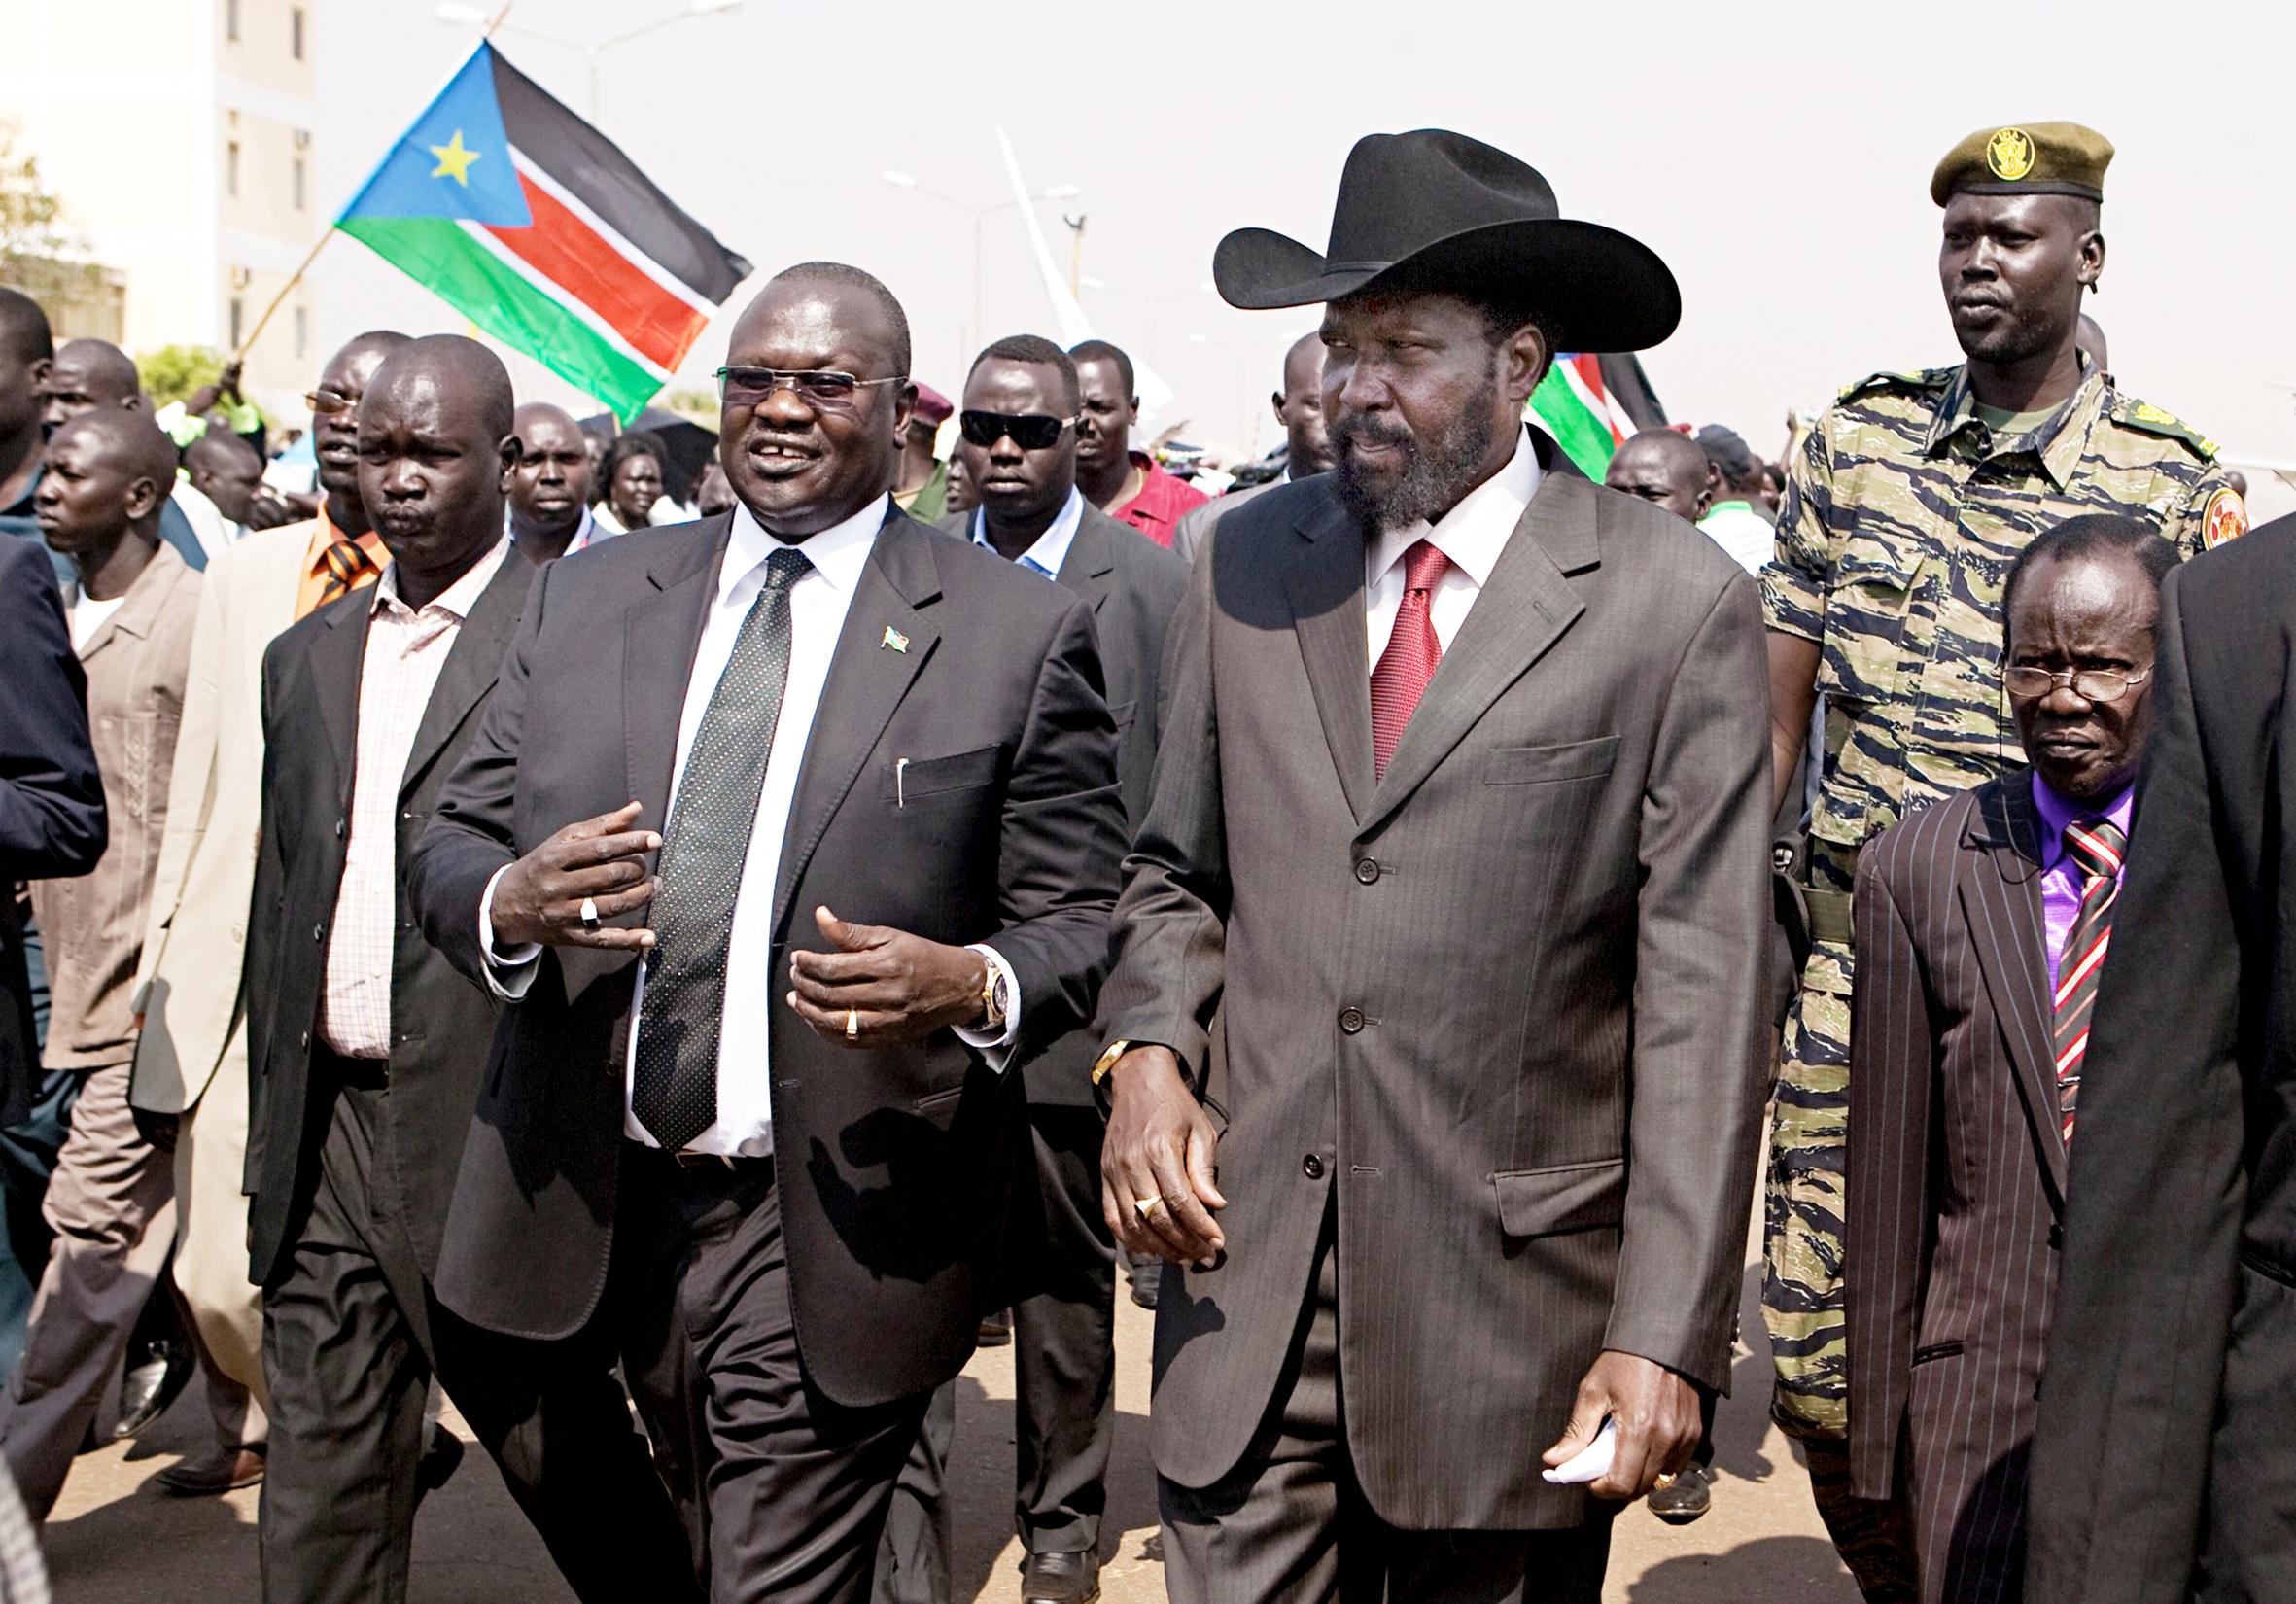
(1017, 445)
(774, 1156)
(1983, 924)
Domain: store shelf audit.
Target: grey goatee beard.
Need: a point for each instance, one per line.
(1435, 474)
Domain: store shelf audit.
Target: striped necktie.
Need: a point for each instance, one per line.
(2096, 848)
(348, 566)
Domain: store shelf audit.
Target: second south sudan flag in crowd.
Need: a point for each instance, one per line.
(535, 227)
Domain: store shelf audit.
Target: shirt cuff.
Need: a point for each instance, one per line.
(508, 973)
(995, 1047)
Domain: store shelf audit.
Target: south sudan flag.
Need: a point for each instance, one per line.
(1591, 404)
(535, 227)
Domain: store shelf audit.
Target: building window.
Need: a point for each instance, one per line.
(231, 20)
(303, 332)
(231, 168)
(295, 32)
(238, 321)
(298, 183)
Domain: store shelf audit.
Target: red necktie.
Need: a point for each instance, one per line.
(1412, 651)
(2096, 846)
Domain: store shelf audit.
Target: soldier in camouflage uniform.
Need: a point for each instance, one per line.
(1903, 509)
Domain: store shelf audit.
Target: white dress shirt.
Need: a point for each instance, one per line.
(1471, 535)
(406, 647)
(754, 983)
(1051, 548)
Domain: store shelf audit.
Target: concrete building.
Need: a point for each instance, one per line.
(177, 134)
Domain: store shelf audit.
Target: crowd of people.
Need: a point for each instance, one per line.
(776, 924)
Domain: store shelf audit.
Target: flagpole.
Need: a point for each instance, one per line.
(296, 277)
(292, 279)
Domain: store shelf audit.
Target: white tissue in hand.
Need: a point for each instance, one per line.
(1591, 1461)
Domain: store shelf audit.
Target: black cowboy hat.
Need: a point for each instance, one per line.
(1435, 210)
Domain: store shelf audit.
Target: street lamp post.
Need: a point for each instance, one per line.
(980, 216)
(461, 15)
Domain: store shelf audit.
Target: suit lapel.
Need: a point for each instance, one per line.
(1523, 610)
(472, 665)
(660, 633)
(1326, 588)
(2000, 888)
(1087, 567)
(339, 661)
(866, 682)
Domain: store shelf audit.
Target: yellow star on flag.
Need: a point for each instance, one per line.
(454, 161)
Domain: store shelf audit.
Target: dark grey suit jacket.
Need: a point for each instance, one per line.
(1956, 1178)
(896, 1164)
(1135, 588)
(2167, 1425)
(440, 1021)
(1499, 1007)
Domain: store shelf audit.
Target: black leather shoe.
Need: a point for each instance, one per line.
(1059, 1578)
(1686, 1498)
(1147, 1276)
(996, 1330)
(152, 1386)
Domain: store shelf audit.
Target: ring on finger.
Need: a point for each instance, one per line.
(1664, 1479)
(853, 1025)
(589, 913)
(1148, 1206)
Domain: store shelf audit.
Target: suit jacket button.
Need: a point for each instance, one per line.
(1367, 871)
(1351, 1020)
(1311, 1166)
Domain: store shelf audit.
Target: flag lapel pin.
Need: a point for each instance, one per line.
(894, 640)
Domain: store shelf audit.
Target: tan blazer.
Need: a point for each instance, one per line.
(187, 983)
(91, 929)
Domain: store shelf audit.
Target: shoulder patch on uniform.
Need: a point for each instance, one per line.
(2147, 418)
(2224, 518)
(1919, 378)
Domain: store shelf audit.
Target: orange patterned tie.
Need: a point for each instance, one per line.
(348, 566)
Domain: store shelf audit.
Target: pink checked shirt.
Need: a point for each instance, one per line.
(406, 647)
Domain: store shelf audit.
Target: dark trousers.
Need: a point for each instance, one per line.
(782, 1490)
(28, 1152)
(1064, 1393)
(351, 1339)
(1291, 1523)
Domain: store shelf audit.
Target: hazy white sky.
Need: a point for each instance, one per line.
(1777, 155)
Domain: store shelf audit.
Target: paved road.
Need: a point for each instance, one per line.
(114, 1540)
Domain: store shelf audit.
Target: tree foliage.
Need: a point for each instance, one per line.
(173, 372)
(39, 253)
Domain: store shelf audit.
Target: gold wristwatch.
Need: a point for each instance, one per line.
(1107, 1060)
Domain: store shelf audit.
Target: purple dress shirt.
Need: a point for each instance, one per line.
(2061, 882)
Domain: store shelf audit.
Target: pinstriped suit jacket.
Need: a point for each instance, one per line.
(1500, 1006)
(1956, 1179)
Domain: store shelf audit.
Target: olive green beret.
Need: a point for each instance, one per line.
(2025, 158)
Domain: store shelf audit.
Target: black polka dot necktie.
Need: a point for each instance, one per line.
(675, 1090)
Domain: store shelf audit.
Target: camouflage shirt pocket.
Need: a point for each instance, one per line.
(1867, 607)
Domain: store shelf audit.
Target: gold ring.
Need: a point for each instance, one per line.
(1664, 1479)
(1147, 1206)
(853, 1025)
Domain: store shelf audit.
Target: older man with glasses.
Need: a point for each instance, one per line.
(774, 1157)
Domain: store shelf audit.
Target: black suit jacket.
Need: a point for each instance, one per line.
(52, 799)
(1134, 587)
(897, 1163)
(440, 1021)
(1956, 1177)
(2168, 1419)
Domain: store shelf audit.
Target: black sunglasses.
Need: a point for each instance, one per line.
(816, 387)
(1029, 431)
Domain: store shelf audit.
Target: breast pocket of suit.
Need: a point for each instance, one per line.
(947, 806)
(1554, 765)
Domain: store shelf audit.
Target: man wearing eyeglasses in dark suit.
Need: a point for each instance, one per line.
(771, 1155)
(1018, 446)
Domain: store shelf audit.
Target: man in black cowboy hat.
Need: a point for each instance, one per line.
(1464, 1005)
